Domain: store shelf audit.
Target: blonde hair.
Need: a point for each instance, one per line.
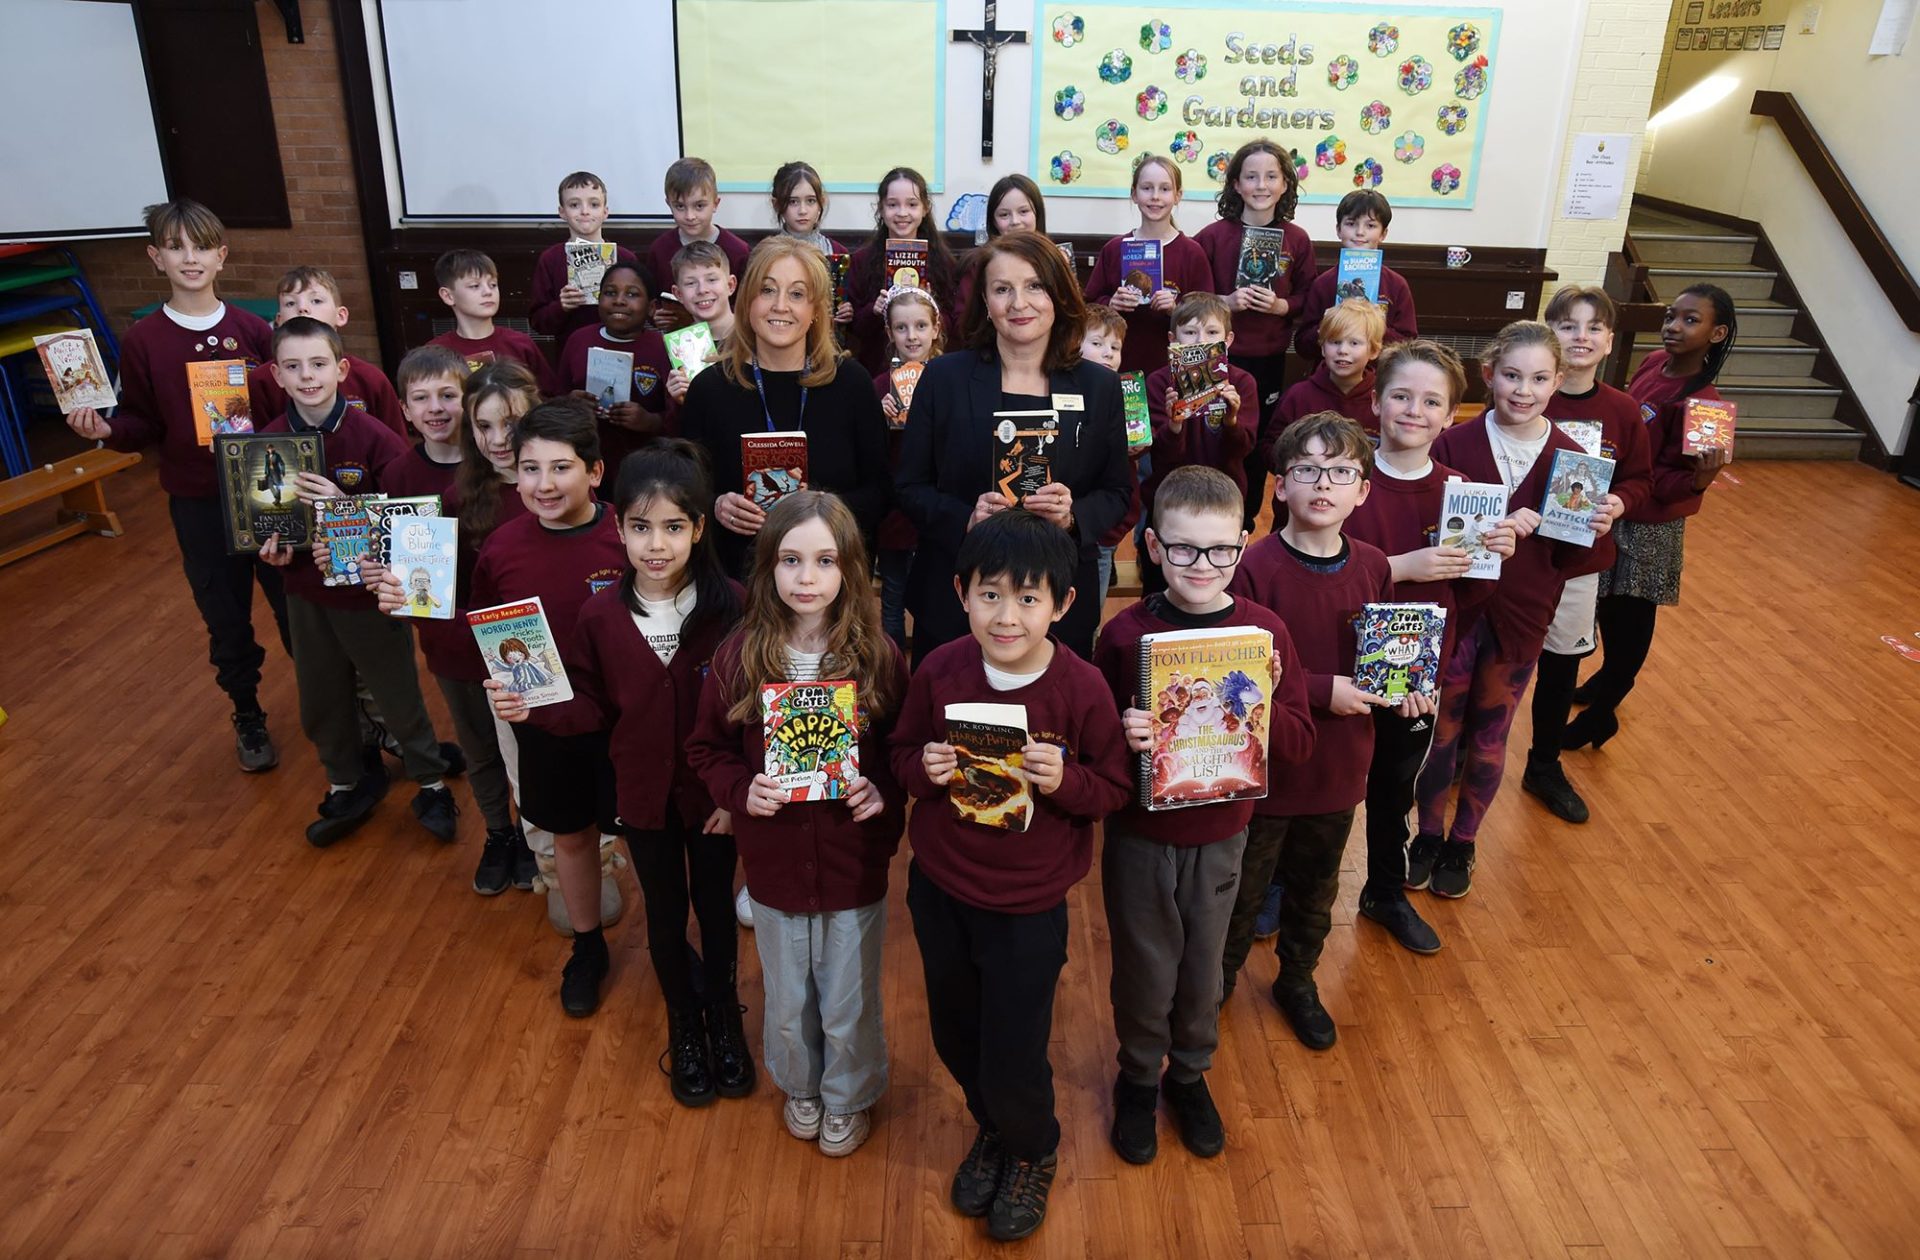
(300, 279)
(1173, 172)
(1202, 306)
(184, 221)
(1403, 354)
(1520, 334)
(823, 356)
(923, 298)
(1568, 296)
(1355, 315)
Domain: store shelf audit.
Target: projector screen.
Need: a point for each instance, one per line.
(80, 154)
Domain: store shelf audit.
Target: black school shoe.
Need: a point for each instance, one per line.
(1198, 1119)
(1300, 1004)
(1453, 873)
(978, 1177)
(1020, 1204)
(1396, 914)
(1133, 1133)
(733, 1074)
(1421, 855)
(580, 981)
(496, 862)
(1548, 781)
(437, 812)
(688, 1074)
(252, 745)
(523, 868)
(341, 813)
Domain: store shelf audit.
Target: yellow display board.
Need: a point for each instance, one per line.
(1364, 98)
(856, 87)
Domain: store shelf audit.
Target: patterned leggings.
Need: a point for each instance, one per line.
(1479, 694)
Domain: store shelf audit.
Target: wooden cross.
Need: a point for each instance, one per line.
(989, 39)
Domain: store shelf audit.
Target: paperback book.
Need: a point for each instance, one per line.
(839, 267)
(1133, 396)
(1467, 510)
(691, 348)
(1206, 693)
(906, 260)
(1359, 275)
(989, 785)
(346, 527)
(903, 379)
(1709, 424)
(1140, 266)
(421, 554)
(1575, 486)
(517, 644)
(587, 263)
(220, 403)
(812, 737)
(75, 370)
(1585, 433)
(772, 466)
(609, 377)
(1198, 371)
(254, 473)
(387, 516)
(1398, 652)
(1263, 258)
(1023, 451)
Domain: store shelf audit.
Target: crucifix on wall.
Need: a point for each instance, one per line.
(989, 39)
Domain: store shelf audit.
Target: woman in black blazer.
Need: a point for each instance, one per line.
(1022, 329)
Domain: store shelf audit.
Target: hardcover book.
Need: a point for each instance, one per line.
(1140, 266)
(1575, 486)
(1359, 275)
(989, 786)
(904, 378)
(1585, 433)
(345, 526)
(812, 734)
(75, 370)
(421, 554)
(691, 348)
(387, 513)
(517, 644)
(772, 466)
(1207, 695)
(1263, 258)
(220, 403)
(1023, 451)
(1399, 649)
(1133, 396)
(587, 263)
(254, 472)
(1198, 371)
(839, 267)
(1709, 424)
(906, 260)
(609, 377)
(1467, 511)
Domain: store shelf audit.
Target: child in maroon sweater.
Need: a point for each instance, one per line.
(470, 286)
(1184, 268)
(188, 246)
(693, 195)
(624, 426)
(1102, 340)
(914, 328)
(903, 209)
(313, 291)
(817, 865)
(557, 307)
(1169, 878)
(1362, 218)
(989, 908)
(1317, 580)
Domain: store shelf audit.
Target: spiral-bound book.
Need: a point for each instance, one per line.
(1209, 696)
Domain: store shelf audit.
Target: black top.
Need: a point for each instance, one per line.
(846, 439)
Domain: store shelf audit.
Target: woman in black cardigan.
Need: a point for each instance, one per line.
(1022, 330)
(780, 372)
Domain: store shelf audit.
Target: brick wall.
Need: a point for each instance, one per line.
(310, 116)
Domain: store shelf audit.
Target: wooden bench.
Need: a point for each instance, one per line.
(83, 501)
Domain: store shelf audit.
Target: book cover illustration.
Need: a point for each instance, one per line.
(1198, 372)
(1140, 266)
(1575, 487)
(1709, 424)
(1398, 651)
(904, 378)
(1023, 451)
(989, 786)
(609, 377)
(812, 736)
(906, 261)
(1359, 275)
(1467, 511)
(839, 267)
(1133, 396)
(1206, 695)
(75, 370)
(691, 348)
(254, 473)
(1585, 434)
(346, 527)
(587, 263)
(772, 466)
(517, 644)
(421, 553)
(1264, 261)
(387, 512)
(220, 403)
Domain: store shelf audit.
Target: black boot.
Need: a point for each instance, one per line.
(686, 1067)
(733, 1074)
(581, 978)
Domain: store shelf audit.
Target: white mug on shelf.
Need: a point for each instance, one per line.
(1458, 255)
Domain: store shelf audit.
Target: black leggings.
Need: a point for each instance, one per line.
(1626, 636)
(1553, 684)
(678, 867)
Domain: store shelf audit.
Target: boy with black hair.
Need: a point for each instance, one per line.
(187, 245)
(1362, 218)
(314, 292)
(693, 195)
(470, 285)
(556, 307)
(989, 909)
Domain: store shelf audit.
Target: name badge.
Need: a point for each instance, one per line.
(1069, 402)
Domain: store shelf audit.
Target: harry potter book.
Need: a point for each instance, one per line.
(691, 348)
(1359, 275)
(254, 473)
(1198, 372)
(1709, 424)
(1399, 649)
(345, 526)
(1207, 696)
(587, 263)
(1263, 258)
(517, 645)
(421, 553)
(906, 260)
(609, 377)
(75, 370)
(989, 785)
(1023, 451)
(772, 466)
(220, 403)
(1575, 486)
(1133, 396)
(1467, 510)
(812, 737)
(1140, 266)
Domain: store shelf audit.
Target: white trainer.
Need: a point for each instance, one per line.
(743, 907)
(842, 1135)
(803, 1118)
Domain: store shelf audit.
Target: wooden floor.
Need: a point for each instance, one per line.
(1688, 1029)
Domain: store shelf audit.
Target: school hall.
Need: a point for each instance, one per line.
(1592, 948)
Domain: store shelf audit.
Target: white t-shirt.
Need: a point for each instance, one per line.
(196, 323)
(1515, 456)
(661, 623)
(1388, 470)
(1001, 680)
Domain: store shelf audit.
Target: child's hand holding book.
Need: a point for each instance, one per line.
(508, 706)
(941, 762)
(88, 424)
(309, 487)
(864, 799)
(1137, 725)
(1523, 523)
(765, 797)
(1044, 766)
(275, 552)
(1349, 701)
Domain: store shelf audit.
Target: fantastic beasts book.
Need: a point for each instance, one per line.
(254, 473)
(1133, 396)
(1263, 258)
(1198, 372)
(220, 404)
(517, 644)
(1207, 695)
(906, 260)
(421, 552)
(1709, 424)
(989, 786)
(609, 377)
(1399, 649)
(1359, 275)
(75, 370)
(346, 527)
(812, 735)
(691, 348)
(587, 263)
(1575, 486)
(1467, 510)
(1140, 266)
(772, 466)
(1023, 451)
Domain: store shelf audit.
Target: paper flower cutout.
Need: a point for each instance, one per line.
(1368, 174)
(1190, 66)
(1069, 29)
(1343, 72)
(1463, 41)
(1151, 103)
(1471, 80)
(1416, 75)
(1185, 146)
(1111, 136)
(1383, 40)
(1069, 102)
(1330, 153)
(1375, 117)
(1446, 178)
(1409, 146)
(1156, 36)
(1066, 166)
(1217, 165)
(1451, 119)
(1116, 66)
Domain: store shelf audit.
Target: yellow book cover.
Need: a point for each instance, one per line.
(1208, 694)
(220, 403)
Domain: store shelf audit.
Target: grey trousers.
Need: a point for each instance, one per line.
(329, 646)
(820, 980)
(1167, 913)
(473, 726)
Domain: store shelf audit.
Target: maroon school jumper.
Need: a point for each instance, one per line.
(1257, 334)
(660, 254)
(1206, 440)
(867, 334)
(1318, 393)
(1623, 439)
(1663, 408)
(366, 387)
(811, 857)
(544, 311)
(156, 408)
(1402, 514)
(1290, 736)
(1184, 268)
(986, 867)
(356, 447)
(620, 674)
(650, 368)
(896, 532)
(502, 343)
(1319, 608)
(1396, 302)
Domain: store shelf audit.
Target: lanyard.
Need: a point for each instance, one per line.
(799, 421)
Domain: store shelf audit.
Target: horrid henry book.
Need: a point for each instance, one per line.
(1023, 451)
(906, 260)
(517, 644)
(220, 404)
(989, 786)
(1399, 649)
(1709, 426)
(1198, 373)
(587, 263)
(1575, 487)
(1467, 510)
(1140, 266)
(812, 733)
(772, 466)
(75, 370)
(1206, 693)
(1263, 258)
(254, 472)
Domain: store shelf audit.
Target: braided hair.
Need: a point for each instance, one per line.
(1723, 316)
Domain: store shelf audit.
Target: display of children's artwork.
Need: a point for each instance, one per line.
(75, 370)
(1206, 696)
(516, 642)
(811, 732)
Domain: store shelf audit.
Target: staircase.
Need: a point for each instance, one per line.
(1791, 396)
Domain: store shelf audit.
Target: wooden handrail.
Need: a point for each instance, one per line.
(1875, 250)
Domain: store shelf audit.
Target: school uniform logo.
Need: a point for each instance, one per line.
(1647, 412)
(601, 579)
(645, 381)
(349, 476)
(361, 403)
(230, 344)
